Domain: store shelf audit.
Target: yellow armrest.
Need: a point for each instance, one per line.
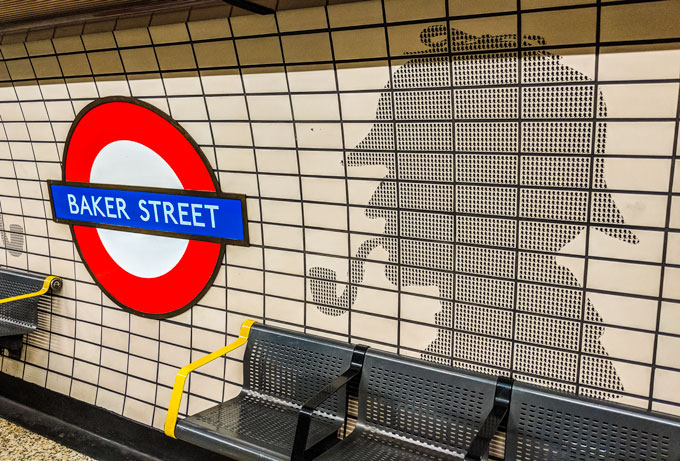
(42, 291)
(178, 389)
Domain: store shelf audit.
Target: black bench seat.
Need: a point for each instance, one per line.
(413, 410)
(252, 425)
(549, 425)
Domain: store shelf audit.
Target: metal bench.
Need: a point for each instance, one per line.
(547, 425)
(296, 388)
(293, 400)
(19, 295)
(413, 410)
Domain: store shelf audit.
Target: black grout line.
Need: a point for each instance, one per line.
(216, 170)
(313, 329)
(151, 97)
(664, 253)
(120, 57)
(439, 121)
(436, 298)
(597, 106)
(405, 151)
(316, 329)
(47, 212)
(395, 153)
(189, 350)
(291, 108)
(252, 149)
(370, 178)
(452, 85)
(386, 345)
(345, 160)
(428, 240)
(129, 318)
(75, 256)
(518, 190)
(23, 216)
(73, 78)
(322, 151)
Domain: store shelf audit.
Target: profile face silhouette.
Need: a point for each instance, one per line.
(492, 169)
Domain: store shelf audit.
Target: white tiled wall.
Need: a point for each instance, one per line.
(510, 206)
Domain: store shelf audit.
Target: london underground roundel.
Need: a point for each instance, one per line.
(144, 207)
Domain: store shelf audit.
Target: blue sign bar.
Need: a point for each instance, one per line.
(188, 214)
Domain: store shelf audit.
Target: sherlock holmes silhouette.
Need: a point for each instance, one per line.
(465, 213)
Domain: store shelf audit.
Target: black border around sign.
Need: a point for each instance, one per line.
(211, 281)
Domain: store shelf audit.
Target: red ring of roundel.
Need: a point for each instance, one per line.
(181, 286)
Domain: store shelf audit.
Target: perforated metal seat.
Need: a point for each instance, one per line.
(19, 295)
(547, 425)
(282, 370)
(258, 424)
(19, 316)
(413, 410)
(381, 447)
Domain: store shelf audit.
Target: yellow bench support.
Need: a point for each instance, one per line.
(42, 291)
(178, 389)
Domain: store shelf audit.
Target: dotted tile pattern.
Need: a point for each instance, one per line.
(489, 189)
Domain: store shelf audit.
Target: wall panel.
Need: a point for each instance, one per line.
(467, 183)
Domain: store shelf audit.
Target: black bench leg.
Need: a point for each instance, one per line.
(350, 377)
(497, 417)
(13, 344)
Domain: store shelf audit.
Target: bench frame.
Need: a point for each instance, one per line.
(349, 377)
(495, 420)
(180, 379)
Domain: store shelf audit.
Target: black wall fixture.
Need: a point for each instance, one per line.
(250, 6)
